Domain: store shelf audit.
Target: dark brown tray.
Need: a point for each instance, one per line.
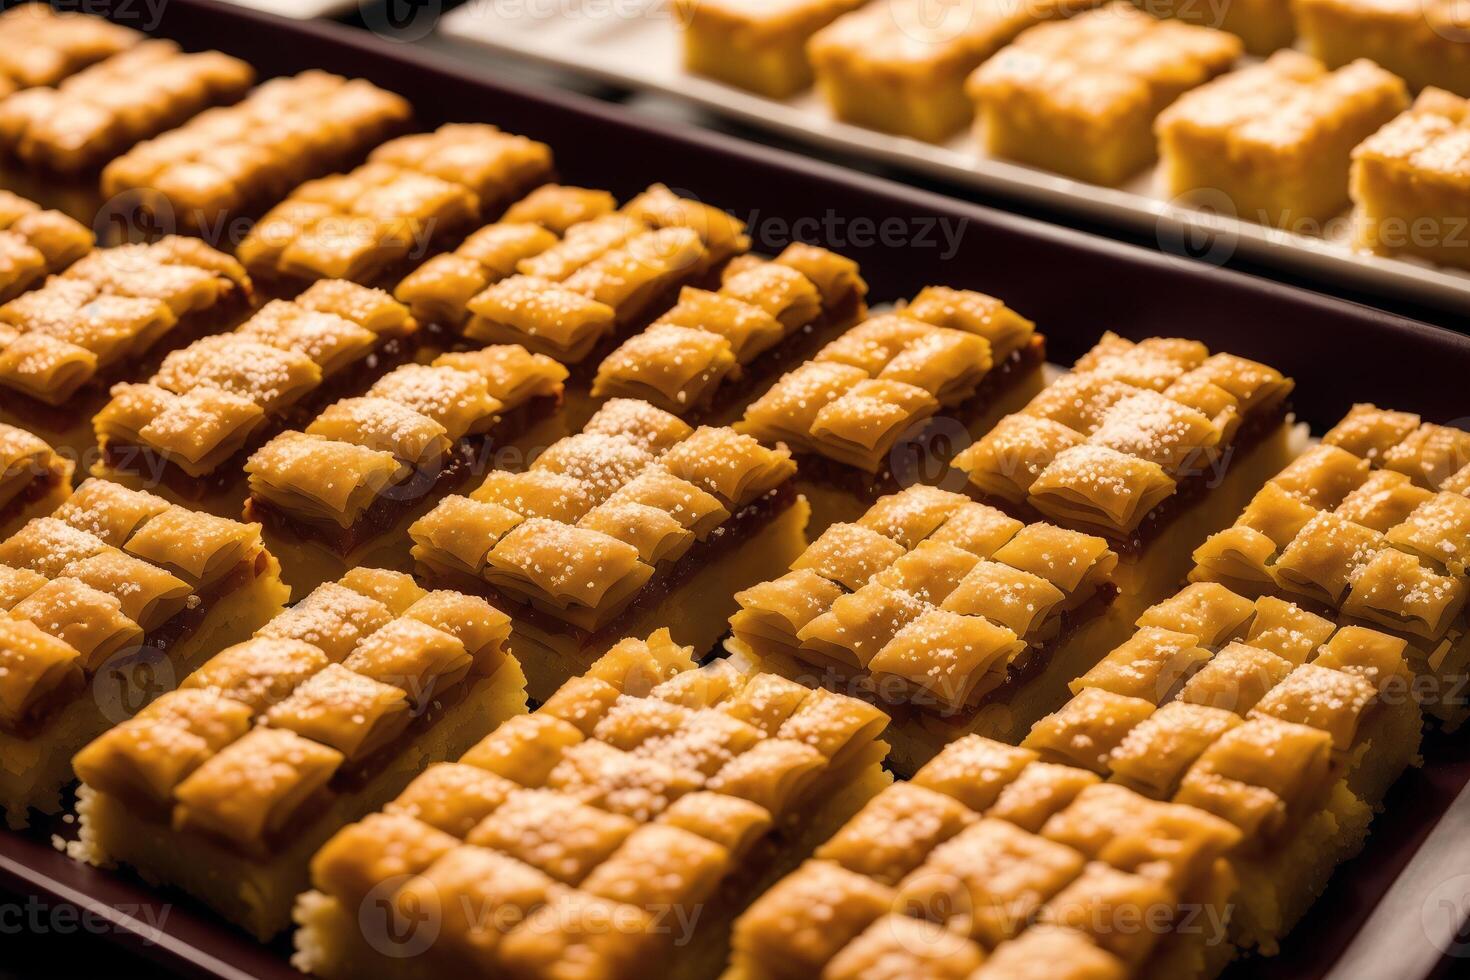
(1394, 911)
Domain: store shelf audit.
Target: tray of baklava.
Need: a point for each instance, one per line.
(1321, 137)
(451, 500)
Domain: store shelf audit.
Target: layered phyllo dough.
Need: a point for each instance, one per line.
(225, 787)
(614, 832)
(638, 520)
(35, 243)
(111, 600)
(34, 478)
(41, 46)
(414, 194)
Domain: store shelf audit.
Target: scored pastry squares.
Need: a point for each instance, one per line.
(638, 520)
(1421, 41)
(994, 864)
(1373, 524)
(98, 113)
(34, 478)
(1079, 97)
(35, 243)
(112, 597)
(242, 158)
(756, 46)
(41, 46)
(1275, 139)
(184, 427)
(225, 787)
(413, 194)
(953, 615)
(1411, 181)
(614, 832)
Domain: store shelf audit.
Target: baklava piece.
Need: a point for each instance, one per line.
(1265, 26)
(756, 46)
(34, 478)
(35, 243)
(111, 599)
(414, 195)
(98, 113)
(615, 832)
(952, 615)
(861, 414)
(341, 492)
(1421, 41)
(1151, 445)
(1373, 525)
(1275, 139)
(708, 355)
(1411, 183)
(225, 787)
(1079, 97)
(636, 523)
(41, 46)
(243, 158)
(186, 429)
(995, 865)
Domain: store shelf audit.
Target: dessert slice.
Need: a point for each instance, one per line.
(34, 478)
(413, 196)
(112, 599)
(35, 243)
(1421, 41)
(883, 405)
(614, 832)
(1275, 139)
(1080, 96)
(225, 787)
(41, 46)
(1411, 183)
(1265, 26)
(242, 158)
(953, 616)
(1152, 445)
(636, 523)
(342, 492)
(1373, 525)
(188, 429)
(98, 113)
(757, 46)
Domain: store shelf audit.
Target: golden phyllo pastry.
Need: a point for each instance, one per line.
(42, 46)
(1418, 41)
(226, 786)
(34, 478)
(760, 47)
(35, 244)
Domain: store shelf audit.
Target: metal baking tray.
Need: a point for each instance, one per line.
(1395, 910)
(636, 44)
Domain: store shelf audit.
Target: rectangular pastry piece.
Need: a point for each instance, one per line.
(1411, 183)
(112, 599)
(760, 46)
(992, 864)
(35, 243)
(243, 158)
(614, 832)
(889, 401)
(187, 430)
(225, 787)
(98, 113)
(1079, 97)
(1271, 143)
(41, 46)
(900, 65)
(1421, 41)
(414, 195)
(1152, 445)
(1373, 526)
(1265, 26)
(34, 478)
(716, 350)
(636, 523)
(1284, 723)
(953, 616)
(341, 492)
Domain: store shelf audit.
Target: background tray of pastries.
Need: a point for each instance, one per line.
(1217, 129)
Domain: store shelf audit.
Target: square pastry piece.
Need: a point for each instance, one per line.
(1421, 41)
(1272, 143)
(1372, 525)
(41, 46)
(758, 45)
(875, 409)
(638, 522)
(614, 832)
(34, 478)
(1079, 97)
(1281, 722)
(113, 598)
(1265, 26)
(992, 864)
(1411, 183)
(225, 787)
(35, 243)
